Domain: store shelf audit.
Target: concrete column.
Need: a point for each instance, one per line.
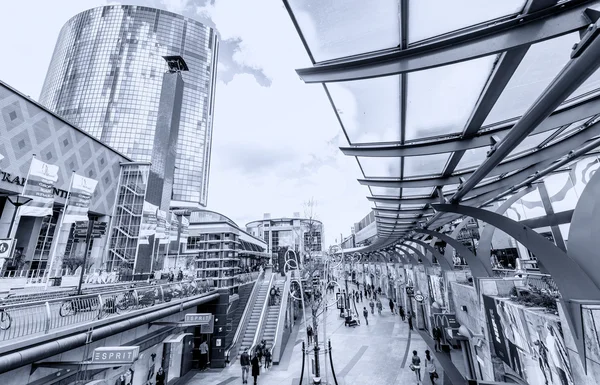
(6, 219)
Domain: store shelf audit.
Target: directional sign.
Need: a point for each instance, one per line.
(5, 247)
(115, 355)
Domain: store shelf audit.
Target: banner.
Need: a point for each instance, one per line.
(148, 225)
(495, 328)
(161, 226)
(39, 186)
(185, 229)
(80, 196)
(174, 228)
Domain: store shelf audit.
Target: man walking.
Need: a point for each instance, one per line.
(415, 365)
(203, 355)
(361, 297)
(372, 305)
(410, 322)
(392, 306)
(366, 314)
(437, 337)
(245, 362)
(309, 334)
(401, 311)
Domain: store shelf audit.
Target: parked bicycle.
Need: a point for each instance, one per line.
(5, 318)
(130, 300)
(76, 305)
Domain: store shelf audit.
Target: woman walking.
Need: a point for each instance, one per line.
(372, 305)
(379, 307)
(415, 366)
(255, 368)
(430, 367)
(401, 311)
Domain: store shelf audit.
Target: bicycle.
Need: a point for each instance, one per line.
(5, 320)
(73, 306)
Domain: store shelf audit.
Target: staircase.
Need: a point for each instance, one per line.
(268, 332)
(250, 331)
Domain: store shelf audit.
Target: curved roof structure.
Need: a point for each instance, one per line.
(443, 106)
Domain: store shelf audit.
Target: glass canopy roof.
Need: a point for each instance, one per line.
(442, 105)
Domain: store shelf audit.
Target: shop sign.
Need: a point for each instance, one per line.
(115, 355)
(419, 297)
(20, 181)
(410, 291)
(198, 318)
(5, 248)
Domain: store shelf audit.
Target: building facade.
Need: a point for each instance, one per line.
(106, 74)
(218, 249)
(302, 235)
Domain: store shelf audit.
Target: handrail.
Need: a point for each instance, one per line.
(245, 316)
(277, 341)
(263, 314)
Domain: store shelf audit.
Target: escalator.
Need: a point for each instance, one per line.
(248, 335)
(270, 323)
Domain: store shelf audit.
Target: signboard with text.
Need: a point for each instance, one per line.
(198, 318)
(115, 355)
(5, 248)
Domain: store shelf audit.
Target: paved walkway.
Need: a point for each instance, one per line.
(375, 354)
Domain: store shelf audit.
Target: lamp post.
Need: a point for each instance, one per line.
(17, 202)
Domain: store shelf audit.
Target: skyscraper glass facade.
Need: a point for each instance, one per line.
(105, 76)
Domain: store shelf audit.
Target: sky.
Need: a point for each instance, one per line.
(275, 139)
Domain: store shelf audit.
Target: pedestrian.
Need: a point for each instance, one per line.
(255, 368)
(259, 353)
(379, 307)
(272, 293)
(366, 314)
(437, 337)
(180, 275)
(160, 376)
(415, 365)
(203, 355)
(392, 306)
(410, 321)
(401, 311)
(430, 366)
(268, 358)
(361, 296)
(309, 334)
(372, 305)
(245, 362)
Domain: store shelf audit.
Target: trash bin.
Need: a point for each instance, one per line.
(56, 281)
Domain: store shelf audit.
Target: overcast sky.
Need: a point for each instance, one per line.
(275, 139)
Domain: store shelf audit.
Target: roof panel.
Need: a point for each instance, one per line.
(388, 167)
(440, 100)
(429, 18)
(334, 28)
(369, 109)
(425, 165)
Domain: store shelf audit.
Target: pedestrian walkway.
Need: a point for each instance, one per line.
(375, 354)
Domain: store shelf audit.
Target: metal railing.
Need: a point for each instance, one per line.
(263, 316)
(278, 340)
(44, 317)
(233, 347)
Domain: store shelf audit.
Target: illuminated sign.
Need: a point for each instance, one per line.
(198, 318)
(115, 355)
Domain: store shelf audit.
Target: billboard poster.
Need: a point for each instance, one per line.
(161, 226)
(148, 226)
(495, 328)
(185, 230)
(80, 197)
(39, 186)
(174, 228)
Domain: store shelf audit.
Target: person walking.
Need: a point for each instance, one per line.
(430, 367)
(415, 365)
(401, 311)
(361, 297)
(160, 376)
(366, 315)
(272, 293)
(379, 307)
(245, 362)
(309, 334)
(410, 321)
(372, 305)
(203, 355)
(268, 358)
(437, 337)
(392, 306)
(255, 368)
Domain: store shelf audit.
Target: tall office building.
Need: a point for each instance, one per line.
(105, 77)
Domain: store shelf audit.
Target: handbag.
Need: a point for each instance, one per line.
(435, 375)
(412, 367)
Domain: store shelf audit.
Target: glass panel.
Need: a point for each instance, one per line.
(531, 205)
(417, 191)
(369, 109)
(449, 188)
(591, 85)
(392, 191)
(411, 206)
(530, 142)
(429, 18)
(561, 192)
(472, 157)
(380, 167)
(540, 65)
(334, 28)
(425, 164)
(440, 100)
(387, 205)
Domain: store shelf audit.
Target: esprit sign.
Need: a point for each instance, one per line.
(116, 355)
(199, 318)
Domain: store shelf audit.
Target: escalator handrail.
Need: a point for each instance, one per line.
(281, 318)
(245, 315)
(263, 316)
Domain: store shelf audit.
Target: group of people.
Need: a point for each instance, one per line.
(430, 366)
(274, 296)
(255, 361)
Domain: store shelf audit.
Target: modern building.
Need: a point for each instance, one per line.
(27, 128)
(218, 248)
(106, 74)
(302, 235)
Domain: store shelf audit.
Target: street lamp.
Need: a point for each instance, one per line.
(19, 201)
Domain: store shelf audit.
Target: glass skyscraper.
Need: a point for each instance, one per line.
(105, 77)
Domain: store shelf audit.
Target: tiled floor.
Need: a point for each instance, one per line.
(375, 354)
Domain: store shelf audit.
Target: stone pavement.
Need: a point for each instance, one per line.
(375, 354)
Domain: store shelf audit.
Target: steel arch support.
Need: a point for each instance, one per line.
(455, 233)
(478, 269)
(485, 241)
(409, 258)
(426, 261)
(445, 264)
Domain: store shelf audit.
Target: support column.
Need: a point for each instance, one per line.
(444, 262)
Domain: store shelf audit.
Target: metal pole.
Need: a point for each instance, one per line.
(88, 237)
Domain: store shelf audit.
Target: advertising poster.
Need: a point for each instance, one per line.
(161, 226)
(80, 197)
(185, 230)
(495, 328)
(148, 225)
(436, 287)
(39, 186)
(174, 228)
(513, 324)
